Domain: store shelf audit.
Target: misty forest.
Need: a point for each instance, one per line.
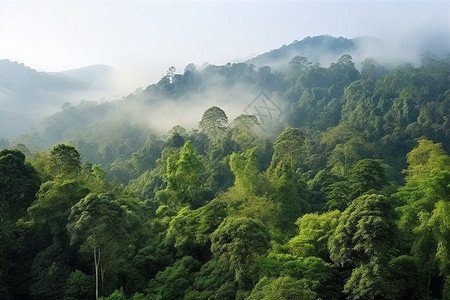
(326, 181)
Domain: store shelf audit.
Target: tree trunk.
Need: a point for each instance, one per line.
(96, 272)
(102, 274)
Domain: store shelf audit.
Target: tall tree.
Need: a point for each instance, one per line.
(238, 242)
(363, 240)
(213, 122)
(97, 223)
(288, 149)
(64, 160)
(19, 183)
(366, 175)
(183, 176)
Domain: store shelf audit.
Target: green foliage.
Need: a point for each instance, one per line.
(215, 280)
(314, 273)
(366, 176)
(79, 286)
(52, 207)
(211, 213)
(18, 184)
(50, 273)
(314, 232)
(116, 295)
(363, 240)
(366, 229)
(189, 230)
(368, 281)
(98, 224)
(64, 160)
(282, 288)
(424, 158)
(183, 175)
(213, 122)
(246, 170)
(404, 275)
(174, 280)
(289, 149)
(239, 242)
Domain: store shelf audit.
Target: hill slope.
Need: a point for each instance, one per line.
(27, 96)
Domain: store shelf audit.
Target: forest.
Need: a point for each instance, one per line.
(345, 195)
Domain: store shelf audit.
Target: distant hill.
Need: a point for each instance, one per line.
(96, 76)
(27, 96)
(323, 49)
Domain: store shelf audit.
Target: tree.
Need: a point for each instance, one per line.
(183, 175)
(214, 281)
(288, 149)
(213, 122)
(366, 229)
(341, 73)
(366, 175)
(78, 286)
(52, 207)
(98, 224)
(238, 242)
(19, 183)
(425, 232)
(49, 272)
(245, 168)
(174, 280)
(64, 160)
(347, 147)
(424, 158)
(281, 288)
(369, 281)
(242, 131)
(189, 230)
(297, 66)
(363, 240)
(314, 233)
(313, 273)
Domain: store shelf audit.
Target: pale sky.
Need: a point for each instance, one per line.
(147, 37)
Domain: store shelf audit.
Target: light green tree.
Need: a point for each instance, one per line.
(183, 176)
(213, 122)
(289, 150)
(314, 231)
(281, 288)
(424, 158)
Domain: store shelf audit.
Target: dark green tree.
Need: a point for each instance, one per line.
(366, 176)
(64, 160)
(238, 242)
(97, 223)
(363, 240)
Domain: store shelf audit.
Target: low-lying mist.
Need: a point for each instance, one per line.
(180, 98)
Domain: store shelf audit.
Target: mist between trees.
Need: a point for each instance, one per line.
(343, 194)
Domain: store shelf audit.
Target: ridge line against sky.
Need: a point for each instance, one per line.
(146, 37)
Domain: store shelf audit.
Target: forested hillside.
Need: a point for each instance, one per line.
(336, 187)
(27, 96)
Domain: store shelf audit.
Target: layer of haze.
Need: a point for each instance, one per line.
(144, 38)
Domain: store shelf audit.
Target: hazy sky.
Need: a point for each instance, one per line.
(150, 36)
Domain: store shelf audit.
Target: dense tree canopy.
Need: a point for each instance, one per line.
(344, 196)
